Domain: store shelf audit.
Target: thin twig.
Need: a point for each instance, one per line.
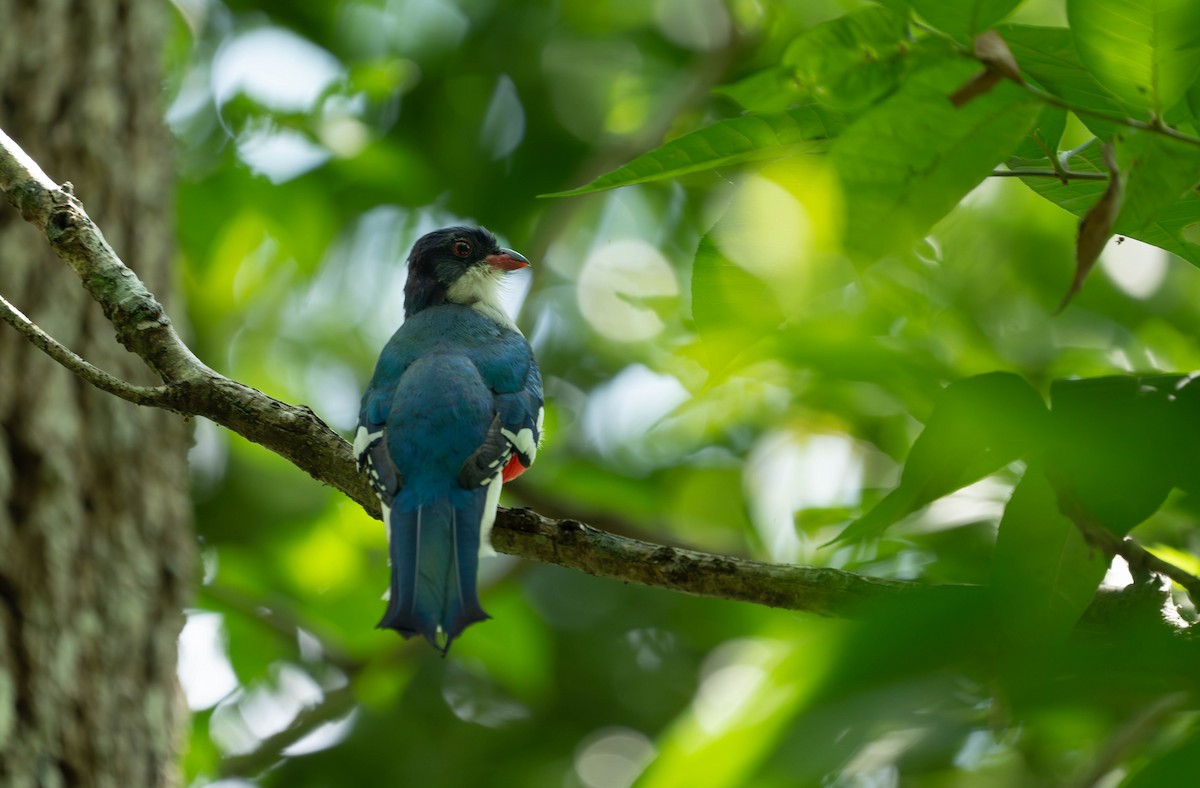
(1141, 727)
(298, 435)
(284, 620)
(1141, 561)
(1066, 156)
(1155, 127)
(1062, 175)
(333, 706)
(140, 395)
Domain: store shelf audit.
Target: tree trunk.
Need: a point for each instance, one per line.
(96, 551)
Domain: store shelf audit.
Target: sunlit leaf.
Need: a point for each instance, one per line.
(907, 162)
(1043, 573)
(742, 707)
(978, 426)
(851, 61)
(1047, 56)
(963, 17)
(770, 90)
(753, 137)
(1048, 130)
(1161, 172)
(1145, 51)
(732, 307)
(1159, 203)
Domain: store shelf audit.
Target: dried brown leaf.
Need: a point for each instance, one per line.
(976, 86)
(1096, 227)
(992, 50)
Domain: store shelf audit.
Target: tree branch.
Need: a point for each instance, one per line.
(1155, 125)
(139, 395)
(1141, 561)
(142, 326)
(298, 435)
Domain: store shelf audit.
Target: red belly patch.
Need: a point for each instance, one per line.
(513, 469)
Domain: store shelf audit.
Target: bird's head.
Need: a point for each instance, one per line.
(461, 265)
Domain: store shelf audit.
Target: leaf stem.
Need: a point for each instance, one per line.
(1156, 126)
(1062, 175)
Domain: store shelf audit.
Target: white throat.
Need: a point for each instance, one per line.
(479, 288)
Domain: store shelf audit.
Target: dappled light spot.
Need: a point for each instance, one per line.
(781, 224)
(619, 413)
(787, 473)
(204, 668)
(876, 762)
(279, 154)
(230, 725)
(702, 25)
(275, 68)
(504, 121)
(630, 104)
(723, 694)
(323, 560)
(474, 696)
(735, 675)
(341, 129)
(765, 228)
(613, 758)
(621, 285)
(590, 97)
(323, 736)
(1139, 269)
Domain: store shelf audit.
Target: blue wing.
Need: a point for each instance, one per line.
(455, 403)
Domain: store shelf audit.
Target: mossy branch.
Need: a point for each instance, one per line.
(296, 433)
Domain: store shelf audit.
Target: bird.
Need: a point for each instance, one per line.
(453, 411)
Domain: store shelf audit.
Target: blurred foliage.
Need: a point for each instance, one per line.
(809, 328)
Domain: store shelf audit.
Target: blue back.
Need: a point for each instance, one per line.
(448, 386)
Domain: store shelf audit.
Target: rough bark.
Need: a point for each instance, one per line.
(95, 544)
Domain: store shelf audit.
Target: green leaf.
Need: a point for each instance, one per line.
(852, 61)
(732, 307)
(1047, 56)
(978, 426)
(1177, 766)
(909, 160)
(1044, 574)
(963, 17)
(752, 137)
(770, 90)
(1193, 105)
(1117, 445)
(1161, 171)
(1145, 51)
(1160, 203)
(1049, 129)
(783, 670)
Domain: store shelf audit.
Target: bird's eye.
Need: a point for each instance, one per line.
(462, 248)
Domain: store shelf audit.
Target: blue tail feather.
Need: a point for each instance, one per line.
(435, 558)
